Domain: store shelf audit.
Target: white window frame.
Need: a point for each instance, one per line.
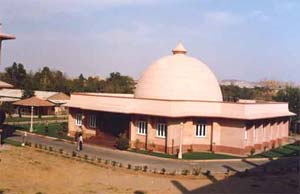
(141, 127)
(93, 121)
(161, 130)
(246, 134)
(78, 119)
(200, 130)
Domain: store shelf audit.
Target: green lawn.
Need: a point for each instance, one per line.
(11, 142)
(206, 156)
(22, 119)
(54, 129)
(157, 154)
(187, 156)
(284, 151)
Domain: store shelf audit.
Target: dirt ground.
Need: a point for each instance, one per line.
(25, 170)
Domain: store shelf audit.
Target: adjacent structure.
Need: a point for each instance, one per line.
(8, 95)
(4, 37)
(178, 106)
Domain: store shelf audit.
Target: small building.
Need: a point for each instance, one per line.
(8, 95)
(178, 103)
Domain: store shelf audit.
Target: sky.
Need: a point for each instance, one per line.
(248, 40)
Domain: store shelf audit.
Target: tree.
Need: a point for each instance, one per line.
(118, 83)
(290, 95)
(15, 75)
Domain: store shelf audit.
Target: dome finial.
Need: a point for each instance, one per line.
(179, 49)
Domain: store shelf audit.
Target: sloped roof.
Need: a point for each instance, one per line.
(33, 101)
(178, 108)
(5, 85)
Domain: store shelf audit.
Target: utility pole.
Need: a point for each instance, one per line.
(4, 37)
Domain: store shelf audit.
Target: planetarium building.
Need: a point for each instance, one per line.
(178, 105)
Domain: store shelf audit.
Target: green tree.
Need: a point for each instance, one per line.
(290, 95)
(15, 75)
(118, 83)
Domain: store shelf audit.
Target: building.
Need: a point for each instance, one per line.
(4, 37)
(57, 98)
(178, 104)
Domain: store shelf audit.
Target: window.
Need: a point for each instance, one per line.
(200, 130)
(93, 121)
(246, 134)
(161, 130)
(78, 121)
(142, 127)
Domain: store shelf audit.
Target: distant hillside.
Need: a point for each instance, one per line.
(240, 83)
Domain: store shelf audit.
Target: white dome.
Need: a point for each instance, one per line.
(178, 77)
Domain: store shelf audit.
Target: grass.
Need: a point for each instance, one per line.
(284, 151)
(157, 154)
(206, 156)
(23, 119)
(186, 156)
(54, 130)
(12, 142)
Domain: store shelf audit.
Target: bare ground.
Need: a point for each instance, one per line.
(25, 170)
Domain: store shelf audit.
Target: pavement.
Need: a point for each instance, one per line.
(125, 157)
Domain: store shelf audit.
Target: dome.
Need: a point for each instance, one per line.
(178, 77)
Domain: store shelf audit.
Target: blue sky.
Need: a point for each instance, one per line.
(249, 40)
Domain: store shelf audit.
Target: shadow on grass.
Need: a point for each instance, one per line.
(254, 181)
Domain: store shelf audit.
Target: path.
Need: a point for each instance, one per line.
(134, 159)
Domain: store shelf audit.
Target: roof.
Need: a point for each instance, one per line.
(55, 97)
(179, 77)
(5, 85)
(33, 101)
(178, 108)
(59, 98)
(6, 36)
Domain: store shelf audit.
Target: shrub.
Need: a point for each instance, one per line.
(252, 151)
(113, 163)
(163, 171)
(106, 162)
(40, 146)
(50, 148)
(185, 172)
(145, 168)
(61, 151)
(196, 171)
(86, 157)
(122, 142)
(129, 166)
(36, 145)
(120, 165)
(74, 154)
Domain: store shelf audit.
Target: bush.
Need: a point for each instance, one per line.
(61, 151)
(74, 154)
(145, 168)
(122, 142)
(185, 172)
(196, 171)
(252, 151)
(163, 171)
(86, 157)
(50, 149)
